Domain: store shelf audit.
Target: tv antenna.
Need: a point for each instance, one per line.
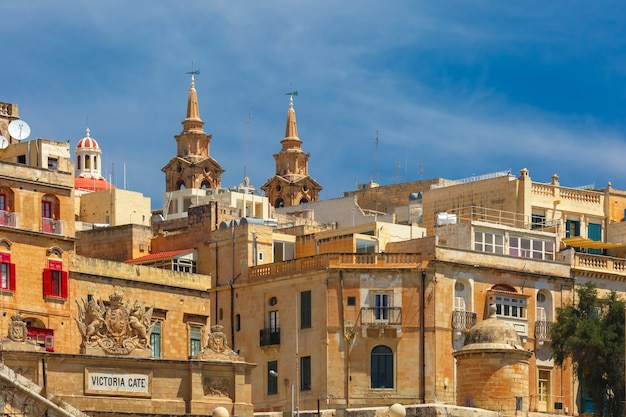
(245, 155)
(19, 129)
(376, 140)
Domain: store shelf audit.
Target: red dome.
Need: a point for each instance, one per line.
(87, 143)
(91, 184)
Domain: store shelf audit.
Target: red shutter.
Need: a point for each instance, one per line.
(46, 282)
(12, 277)
(64, 284)
(5, 258)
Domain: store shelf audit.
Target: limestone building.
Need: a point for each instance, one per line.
(96, 333)
(292, 184)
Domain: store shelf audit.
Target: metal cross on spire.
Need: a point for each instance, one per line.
(292, 93)
(193, 72)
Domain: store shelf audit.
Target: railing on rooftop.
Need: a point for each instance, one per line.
(574, 194)
(505, 218)
(338, 260)
(600, 263)
(473, 178)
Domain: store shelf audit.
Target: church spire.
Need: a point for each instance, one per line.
(291, 139)
(291, 131)
(192, 121)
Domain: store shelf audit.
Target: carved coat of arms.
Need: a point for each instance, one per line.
(17, 328)
(118, 329)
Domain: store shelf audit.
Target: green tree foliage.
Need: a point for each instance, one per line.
(591, 334)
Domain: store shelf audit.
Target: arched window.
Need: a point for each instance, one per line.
(382, 367)
(181, 185)
(303, 200)
(279, 203)
(95, 163)
(79, 160)
(87, 162)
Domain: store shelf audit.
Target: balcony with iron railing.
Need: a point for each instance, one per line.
(53, 226)
(462, 321)
(542, 331)
(381, 318)
(381, 315)
(270, 336)
(8, 218)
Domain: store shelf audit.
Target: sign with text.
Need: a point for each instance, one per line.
(109, 382)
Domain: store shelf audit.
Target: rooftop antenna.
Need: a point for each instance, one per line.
(421, 168)
(377, 176)
(245, 154)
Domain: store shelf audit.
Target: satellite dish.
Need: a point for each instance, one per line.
(19, 129)
(3, 142)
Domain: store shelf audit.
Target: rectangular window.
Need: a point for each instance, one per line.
(381, 304)
(305, 310)
(538, 221)
(489, 242)
(7, 272)
(305, 373)
(351, 301)
(155, 340)
(195, 340)
(526, 247)
(46, 209)
(365, 246)
(273, 321)
(594, 232)
(272, 378)
(21, 159)
(572, 228)
(55, 280)
(53, 163)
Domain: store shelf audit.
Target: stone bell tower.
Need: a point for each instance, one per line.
(193, 166)
(292, 184)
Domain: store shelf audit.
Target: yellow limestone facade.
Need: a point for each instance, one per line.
(103, 336)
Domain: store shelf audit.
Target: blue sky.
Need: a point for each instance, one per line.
(453, 88)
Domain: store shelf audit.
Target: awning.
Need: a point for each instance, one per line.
(581, 242)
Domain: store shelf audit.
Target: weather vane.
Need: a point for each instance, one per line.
(292, 93)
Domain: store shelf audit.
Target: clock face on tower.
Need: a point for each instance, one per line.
(3, 142)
